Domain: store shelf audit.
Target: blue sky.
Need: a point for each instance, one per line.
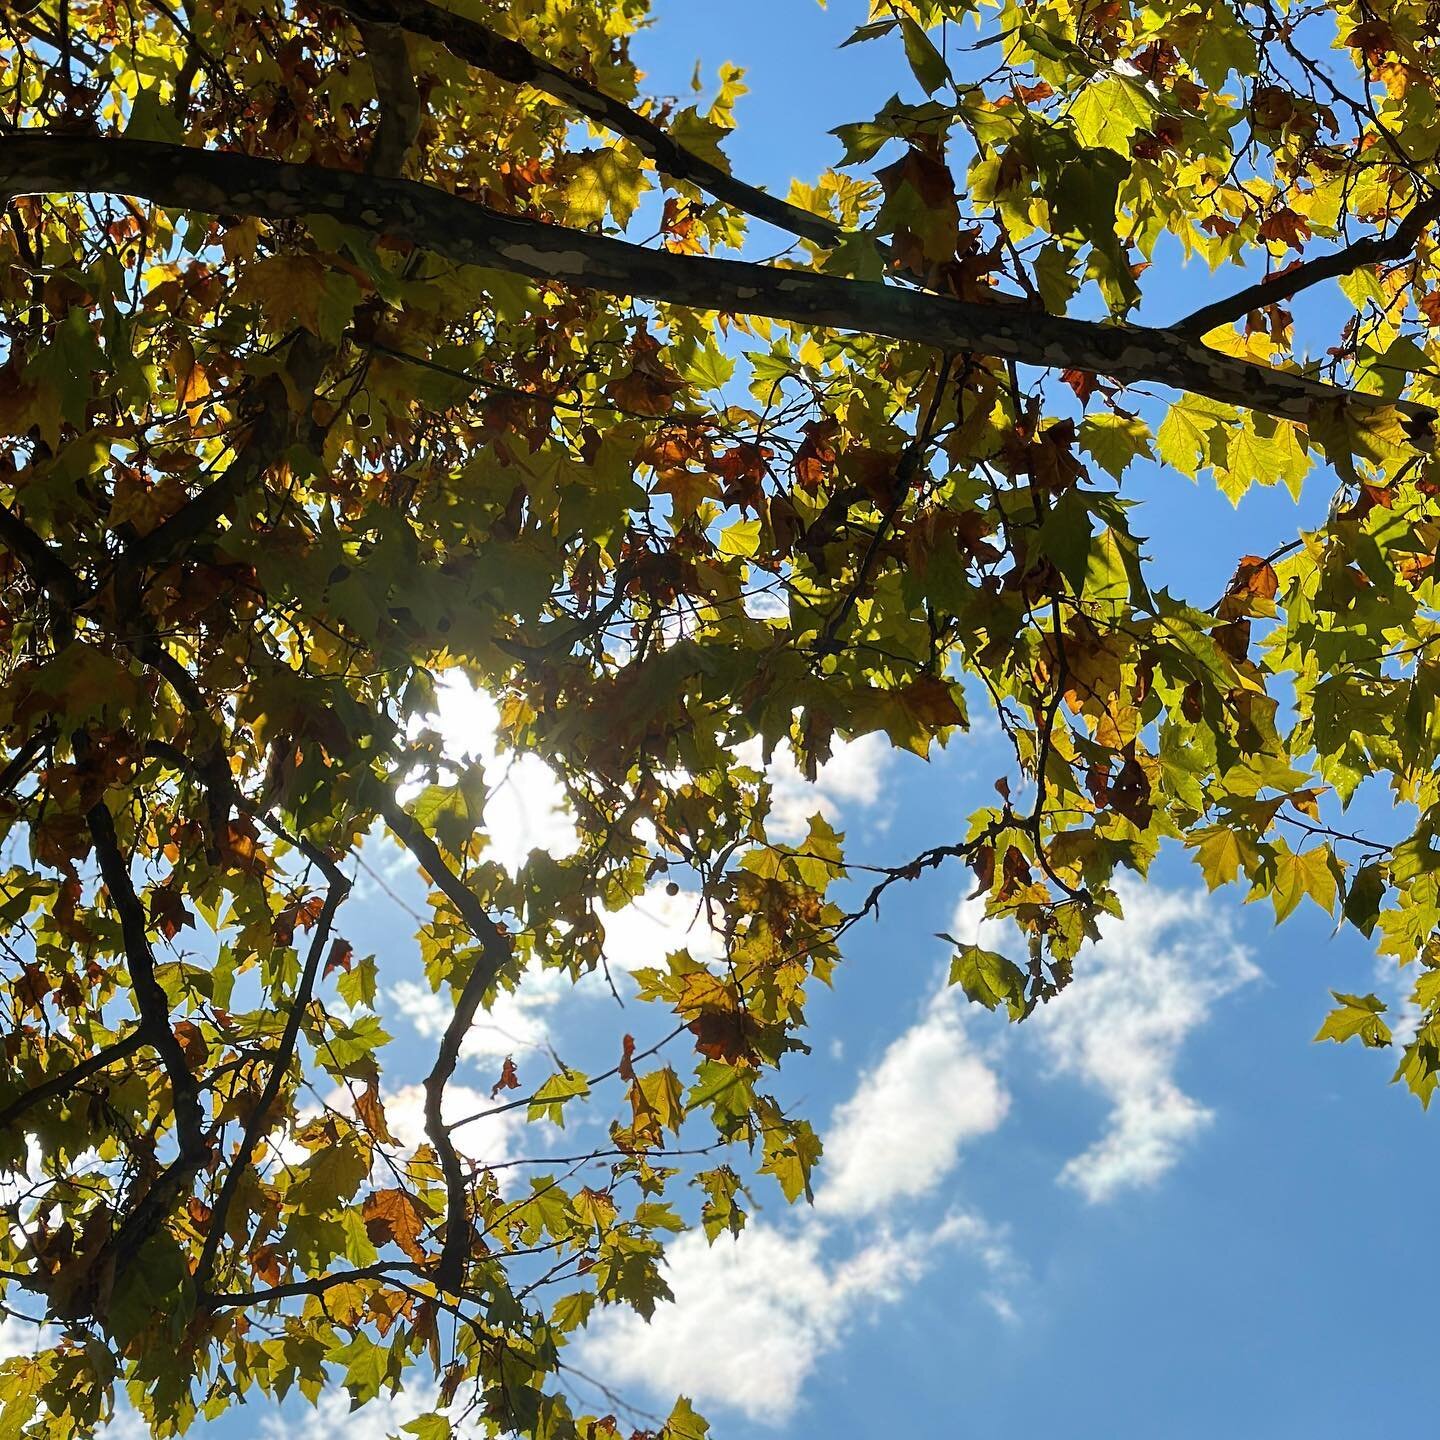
(1155, 1208)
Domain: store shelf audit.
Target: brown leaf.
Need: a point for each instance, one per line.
(1286, 226)
(265, 1264)
(720, 1035)
(509, 1078)
(626, 1070)
(341, 953)
(1130, 792)
(396, 1216)
(1255, 576)
(931, 701)
(167, 911)
(192, 1042)
(1082, 382)
(370, 1110)
(816, 453)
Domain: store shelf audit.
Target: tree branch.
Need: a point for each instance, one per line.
(41, 559)
(315, 1286)
(154, 1010)
(494, 955)
(401, 109)
(268, 416)
(1288, 283)
(470, 234)
(339, 888)
(509, 60)
(64, 587)
(26, 754)
(67, 1080)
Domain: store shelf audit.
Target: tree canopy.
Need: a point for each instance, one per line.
(350, 345)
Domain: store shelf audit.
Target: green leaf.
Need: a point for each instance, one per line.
(1309, 873)
(1218, 852)
(989, 979)
(1419, 1064)
(684, 1424)
(1356, 1015)
(369, 1368)
(1115, 440)
(1363, 898)
(925, 60)
(790, 1156)
(551, 1098)
(429, 1427)
(21, 1379)
(1188, 434)
(600, 180)
(742, 538)
(1108, 112)
(153, 118)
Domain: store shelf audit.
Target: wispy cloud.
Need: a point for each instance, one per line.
(854, 778)
(333, 1419)
(900, 1134)
(523, 1020)
(753, 1317)
(1122, 1025)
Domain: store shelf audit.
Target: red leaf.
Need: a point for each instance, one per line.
(341, 953)
(509, 1078)
(626, 1070)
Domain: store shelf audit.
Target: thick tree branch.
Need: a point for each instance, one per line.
(401, 109)
(154, 1009)
(1289, 283)
(494, 955)
(26, 753)
(41, 559)
(507, 59)
(471, 234)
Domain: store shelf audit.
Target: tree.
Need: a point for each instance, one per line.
(351, 344)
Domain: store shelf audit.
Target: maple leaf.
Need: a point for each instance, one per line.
(509, 1078)
(370, 1111)
(721, 1035)
(395, 1216)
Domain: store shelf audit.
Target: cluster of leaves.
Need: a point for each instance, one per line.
(409, 394)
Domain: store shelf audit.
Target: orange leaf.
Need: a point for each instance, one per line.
(509, 1078)
(371, 1113)
(396, 1215)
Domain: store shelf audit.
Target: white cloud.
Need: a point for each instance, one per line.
(491, 1140)
(853, 777)
(789, 1293)
(900, 1134)
(1121, 1025)
(19, 1337)
(513, 1025)
(126, 1424)
(655, 925)
(753, 1316)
